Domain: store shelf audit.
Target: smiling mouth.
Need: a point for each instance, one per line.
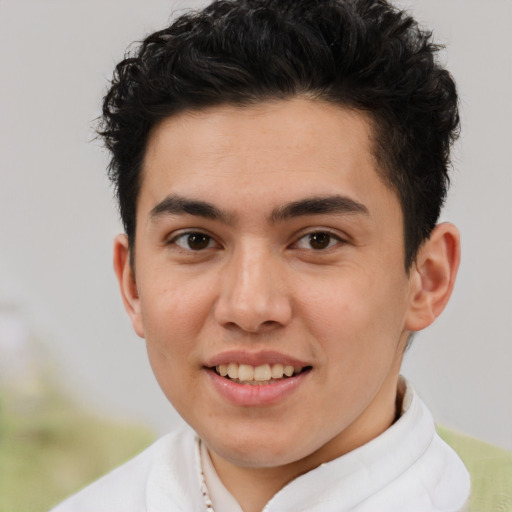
(258, 375)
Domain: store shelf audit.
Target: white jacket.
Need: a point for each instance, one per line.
(408, 468)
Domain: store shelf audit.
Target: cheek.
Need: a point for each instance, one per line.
(173, 313)
(355, 317)
(173, 318)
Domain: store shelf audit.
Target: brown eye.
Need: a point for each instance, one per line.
(319, 241)
(194, 241)
(198, 241)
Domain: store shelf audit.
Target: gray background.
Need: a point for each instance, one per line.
(57, 216)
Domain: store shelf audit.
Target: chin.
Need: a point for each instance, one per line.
(260, 457)
(259, 449)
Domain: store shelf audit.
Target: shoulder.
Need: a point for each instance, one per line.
(132, 486)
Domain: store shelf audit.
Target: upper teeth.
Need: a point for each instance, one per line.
(265, 372)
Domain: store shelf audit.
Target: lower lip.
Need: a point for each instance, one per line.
(250, 395)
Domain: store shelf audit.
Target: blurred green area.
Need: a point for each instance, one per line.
(50, 448)
(50, 444)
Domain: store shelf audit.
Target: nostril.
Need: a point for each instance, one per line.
(256, 328)
(266, 326)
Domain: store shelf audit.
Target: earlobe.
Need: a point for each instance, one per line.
(126, 280)
(433, 276)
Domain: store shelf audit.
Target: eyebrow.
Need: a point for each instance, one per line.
(336, 204)
(177, 205)
(317, 206)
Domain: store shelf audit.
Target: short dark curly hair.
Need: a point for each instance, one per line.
(362, 54)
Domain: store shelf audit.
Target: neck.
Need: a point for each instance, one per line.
(254, 487)
(251, 487)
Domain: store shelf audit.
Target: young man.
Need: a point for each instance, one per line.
(280, 167)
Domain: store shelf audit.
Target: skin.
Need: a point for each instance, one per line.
(346, 307)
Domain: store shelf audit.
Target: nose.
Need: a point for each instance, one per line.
(253, 296)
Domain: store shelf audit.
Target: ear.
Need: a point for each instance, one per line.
(433, 276)
(127, 285)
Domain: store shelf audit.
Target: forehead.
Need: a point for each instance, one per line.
(250, 156)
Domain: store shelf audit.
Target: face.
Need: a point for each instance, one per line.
(267, 246)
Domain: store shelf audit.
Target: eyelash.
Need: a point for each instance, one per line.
(332, 240)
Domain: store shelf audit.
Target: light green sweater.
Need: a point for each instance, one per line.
(490, 468)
